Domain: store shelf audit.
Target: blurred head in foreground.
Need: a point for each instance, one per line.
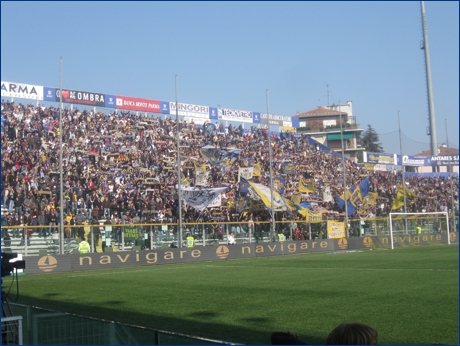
(352, 334)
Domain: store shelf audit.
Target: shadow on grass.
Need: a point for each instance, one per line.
(204, 326)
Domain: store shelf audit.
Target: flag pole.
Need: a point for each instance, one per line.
(403, 169)
(179, 223)
(61, 183)
(344, 172)
(272, 229)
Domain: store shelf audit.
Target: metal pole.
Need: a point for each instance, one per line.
(344, 174)
(61, 183)
(451, 183)
(272, 230)
(179, 197)
(403, 171)
(432, 114)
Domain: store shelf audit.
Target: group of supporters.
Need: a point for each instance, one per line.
(122, 166)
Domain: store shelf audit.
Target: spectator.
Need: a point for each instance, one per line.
(352, 334)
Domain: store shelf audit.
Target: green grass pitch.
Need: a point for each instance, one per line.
(410, 295)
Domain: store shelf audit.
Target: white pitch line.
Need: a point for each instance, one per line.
(365, 269)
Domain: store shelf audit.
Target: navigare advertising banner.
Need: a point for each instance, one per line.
(277, 120)
(75, 97)
(138, 104)
(22, 91)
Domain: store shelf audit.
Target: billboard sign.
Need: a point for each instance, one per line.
(22, 91)
(276, 120)
(381, 158)
(138, 104)
(235, 115)
(189, 110)
(444, 160)
(110, 101)
(75, 97)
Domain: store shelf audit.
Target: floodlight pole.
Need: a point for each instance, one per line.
(61, 183)
(270, 154)
(179, 197)
(345, 194)
(403, 171)
(451, 182)
(425, 47)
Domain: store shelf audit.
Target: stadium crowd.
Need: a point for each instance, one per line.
(122, 166)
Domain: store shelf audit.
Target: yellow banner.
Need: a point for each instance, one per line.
(257, 171)
(311, 217)
(306, 185)
(369, 200)
(369, 166)
(335, 230)
(399, 200)
(288, 129)
(296, 198)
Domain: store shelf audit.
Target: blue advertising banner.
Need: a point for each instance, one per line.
(444, 160)
(213, 113)
(256, 117)
(110, 101)
(49, 94)
(415, 161)
(164, 107)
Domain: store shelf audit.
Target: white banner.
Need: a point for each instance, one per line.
(189, 110)
(201, 177)
(327, 195)
(245, 172)
(200, 198)
(235, 115)
(22, 91)
(216, 202)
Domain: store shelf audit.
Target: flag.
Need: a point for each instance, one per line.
(222, 158)
(306, 185)
(399, 200)
(369, 200)
(245, 172)
(257, 170)
(354, 196)
(296, 198)
(241, 203)
(201, 176)
(327, 195)
(311, 217)
(290, 167)
(200, 198)
(264, 193)
(278, 185)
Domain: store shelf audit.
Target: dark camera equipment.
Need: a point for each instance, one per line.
(7, 266)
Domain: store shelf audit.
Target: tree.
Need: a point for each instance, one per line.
(370, 140)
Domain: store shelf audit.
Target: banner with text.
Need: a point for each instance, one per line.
(335, 229)
(22, 91)
(138, 104)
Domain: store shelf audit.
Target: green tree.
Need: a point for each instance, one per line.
(370, 140)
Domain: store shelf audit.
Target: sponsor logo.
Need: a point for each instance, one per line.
(413, 161)
(20, 90)
(367, 242)
(47, 263)
(453, 236)
(343, 243)
(222, 252)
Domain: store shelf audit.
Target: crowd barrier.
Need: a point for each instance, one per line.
(47, 240)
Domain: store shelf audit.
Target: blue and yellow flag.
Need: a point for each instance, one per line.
(306, 185)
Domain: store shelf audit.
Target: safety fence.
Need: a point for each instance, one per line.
(47, 327)
(102, 237)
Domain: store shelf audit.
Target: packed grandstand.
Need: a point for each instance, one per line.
(122, 166)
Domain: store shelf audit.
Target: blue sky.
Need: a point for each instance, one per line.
(228, 53)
